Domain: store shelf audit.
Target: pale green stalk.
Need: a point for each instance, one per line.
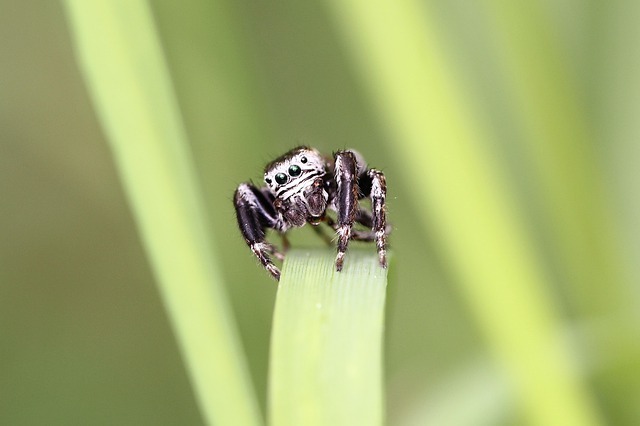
(326, 343)
(561, 143)
(127, 78)
(470, 210)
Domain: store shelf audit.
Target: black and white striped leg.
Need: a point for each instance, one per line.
(379, 212)
(280, 255)
(255, 213)
(346, 201)
(365, 218)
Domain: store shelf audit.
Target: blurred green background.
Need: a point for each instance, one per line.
(83, 335)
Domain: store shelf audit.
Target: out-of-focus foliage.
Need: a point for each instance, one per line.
(552, 90)
(164, 196)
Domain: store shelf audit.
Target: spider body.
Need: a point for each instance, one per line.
(300, 187)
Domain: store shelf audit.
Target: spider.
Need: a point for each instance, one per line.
(300, 186)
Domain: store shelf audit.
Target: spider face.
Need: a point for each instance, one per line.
(301, 186)
(293, 172)
(296, 180)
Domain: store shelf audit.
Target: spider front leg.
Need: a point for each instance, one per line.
(255, 212)
(365, 218)
(346, 201)
(378, 196)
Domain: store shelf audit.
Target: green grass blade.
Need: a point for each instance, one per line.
(465, 200)
(559, 142)
(326, 344)
(125, 72)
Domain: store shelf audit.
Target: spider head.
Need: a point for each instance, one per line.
(296, 180)
(293, 172)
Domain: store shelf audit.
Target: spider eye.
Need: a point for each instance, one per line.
(281, 178)
(268, 181)
(303, 160)
(294, 170)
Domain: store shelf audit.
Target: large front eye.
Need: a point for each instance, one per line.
(294, 170)
(281, 178)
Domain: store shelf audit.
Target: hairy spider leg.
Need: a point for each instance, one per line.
(255, 213)
(346, 200)
(378, 195)
(356, 234)
(366, 218)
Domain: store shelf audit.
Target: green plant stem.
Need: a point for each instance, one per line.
(559, 143)
(125, 72)
(326, 344)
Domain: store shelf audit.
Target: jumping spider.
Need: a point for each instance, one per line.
(300, 186)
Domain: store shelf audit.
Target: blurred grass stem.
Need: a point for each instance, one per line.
(559, 140)
(126, 75)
